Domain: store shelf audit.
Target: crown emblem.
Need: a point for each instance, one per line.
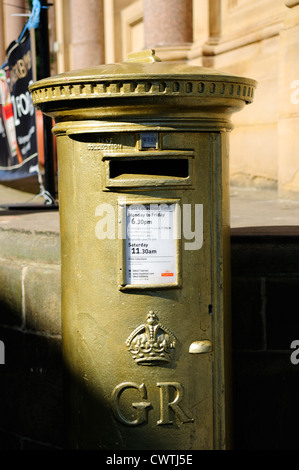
(151, 343)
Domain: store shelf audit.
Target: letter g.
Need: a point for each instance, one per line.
(140, 406)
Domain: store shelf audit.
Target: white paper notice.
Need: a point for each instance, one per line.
(151, 244)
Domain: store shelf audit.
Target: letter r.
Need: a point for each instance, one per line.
(166, 406)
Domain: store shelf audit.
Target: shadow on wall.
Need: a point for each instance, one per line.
(31, 404)
(265, 283)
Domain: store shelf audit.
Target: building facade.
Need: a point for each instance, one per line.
(253, 38)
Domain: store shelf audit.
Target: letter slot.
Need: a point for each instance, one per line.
(162, 169)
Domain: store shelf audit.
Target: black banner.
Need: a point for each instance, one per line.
(18, 136)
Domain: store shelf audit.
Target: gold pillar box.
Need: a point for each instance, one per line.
(144, 212)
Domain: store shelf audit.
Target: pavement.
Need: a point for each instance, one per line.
(250, 209)
(31, 216)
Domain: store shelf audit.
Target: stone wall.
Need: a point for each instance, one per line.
(31, 390)
(265, 281)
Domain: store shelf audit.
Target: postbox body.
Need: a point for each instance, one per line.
(144, 213)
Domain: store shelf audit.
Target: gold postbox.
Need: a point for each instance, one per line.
(144, 213)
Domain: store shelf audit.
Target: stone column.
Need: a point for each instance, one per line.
(168, 27)
(87, 33)
(12, 26)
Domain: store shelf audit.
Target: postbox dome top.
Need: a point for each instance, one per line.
(139, 64)
(142, 74)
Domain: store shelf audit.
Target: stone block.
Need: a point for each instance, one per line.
(265, 401)
(259, 255)
(9, 441)
(247, 322)
(30, 245)
(31, 389)
(282, 323)
(252, 151)
(288, 157)
(42, 299)
(28, 444)
(10, 294)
